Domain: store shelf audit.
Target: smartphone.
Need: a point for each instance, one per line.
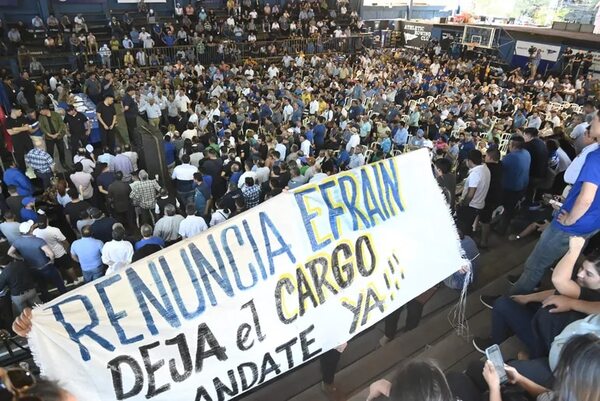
(556, 203)
(495, 357)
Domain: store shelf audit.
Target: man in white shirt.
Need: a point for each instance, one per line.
(353, 141)
(183, 175)
(247, 173)
(273, 71)
(182, 101)
(58, 244)
(474, 192)
(358, 158)
(534, 121)
(280, 147)
(288, 110)
(117, 254)
(305, 145)
(555, 119)
(313, 107)
(192, 224)
(153, 112)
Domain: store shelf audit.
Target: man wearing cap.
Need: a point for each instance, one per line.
(28, 210)
(130, 107)
(19, 130)
(107, 120)
(38, 255)
(79, 128)
(42, 164)
(54, 129)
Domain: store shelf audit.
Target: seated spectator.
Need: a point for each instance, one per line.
(529, 317)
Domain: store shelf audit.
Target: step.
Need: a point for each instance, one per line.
(362, 362)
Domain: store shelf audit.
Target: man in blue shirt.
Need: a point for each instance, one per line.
(14, 176)
(87, 251)
(170, 151)
(400, 135)
(148, 238)
(28, 211)
(579, 216)
(319, 134)
(515, 177)
(38, 255)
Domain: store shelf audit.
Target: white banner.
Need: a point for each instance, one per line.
(549, 52)
(213, 316)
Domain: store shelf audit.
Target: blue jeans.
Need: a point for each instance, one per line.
(49, 273)
(510, 317)
(91, 275)
(551, 246)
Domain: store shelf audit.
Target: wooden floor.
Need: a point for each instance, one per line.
(364, 360)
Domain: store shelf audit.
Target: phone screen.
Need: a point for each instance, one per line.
(495, 357)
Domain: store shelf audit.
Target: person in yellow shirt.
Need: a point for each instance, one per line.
(128, 59)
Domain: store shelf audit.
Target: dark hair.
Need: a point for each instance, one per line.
(494, 154)
(531, 131)
(578, 370)
(118, 175)
(444, 165)
(73, 193)
(552, 145)
(9, 215)
(45, 390)
(517, 141)
(185, 159)
(420, 381)
(190, 209)
(198, 177)
(249, 181)
(594, 258)
(475, 156)
(118, 233)
(42, 221)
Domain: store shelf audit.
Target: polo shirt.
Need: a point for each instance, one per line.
(192, 225)
(479, 178)
(30, 248)
(590, 221)
(29, 214)
(10, 230)
(89, 252)
(102, 229)
(53, 237)
(515, 170)
(149, 241)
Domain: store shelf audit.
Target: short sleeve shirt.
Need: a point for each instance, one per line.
(53, 237)
(479, 178)
(590, 221)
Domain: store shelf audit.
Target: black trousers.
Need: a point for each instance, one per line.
(131, 126)
(60, 144)
(414, 312)
(76, 142)
(465, 216)
(107, 138)
(20, 148)
(329, 362)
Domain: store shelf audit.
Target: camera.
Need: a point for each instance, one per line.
(532, 50)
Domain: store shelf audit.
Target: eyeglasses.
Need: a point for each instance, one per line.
(15, 381)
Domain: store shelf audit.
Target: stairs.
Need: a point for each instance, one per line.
(364, 361)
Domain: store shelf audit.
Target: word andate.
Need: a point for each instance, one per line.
(213, 316)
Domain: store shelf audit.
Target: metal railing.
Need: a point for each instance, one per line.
(228, 51)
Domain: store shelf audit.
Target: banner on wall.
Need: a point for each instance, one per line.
(416, 36)
(549, 52)
(213, 316)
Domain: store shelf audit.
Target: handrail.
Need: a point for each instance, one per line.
(232, 51)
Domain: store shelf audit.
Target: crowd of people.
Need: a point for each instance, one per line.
(513, 152)
(133, 39)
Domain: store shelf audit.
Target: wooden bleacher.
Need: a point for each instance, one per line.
(364, 361)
